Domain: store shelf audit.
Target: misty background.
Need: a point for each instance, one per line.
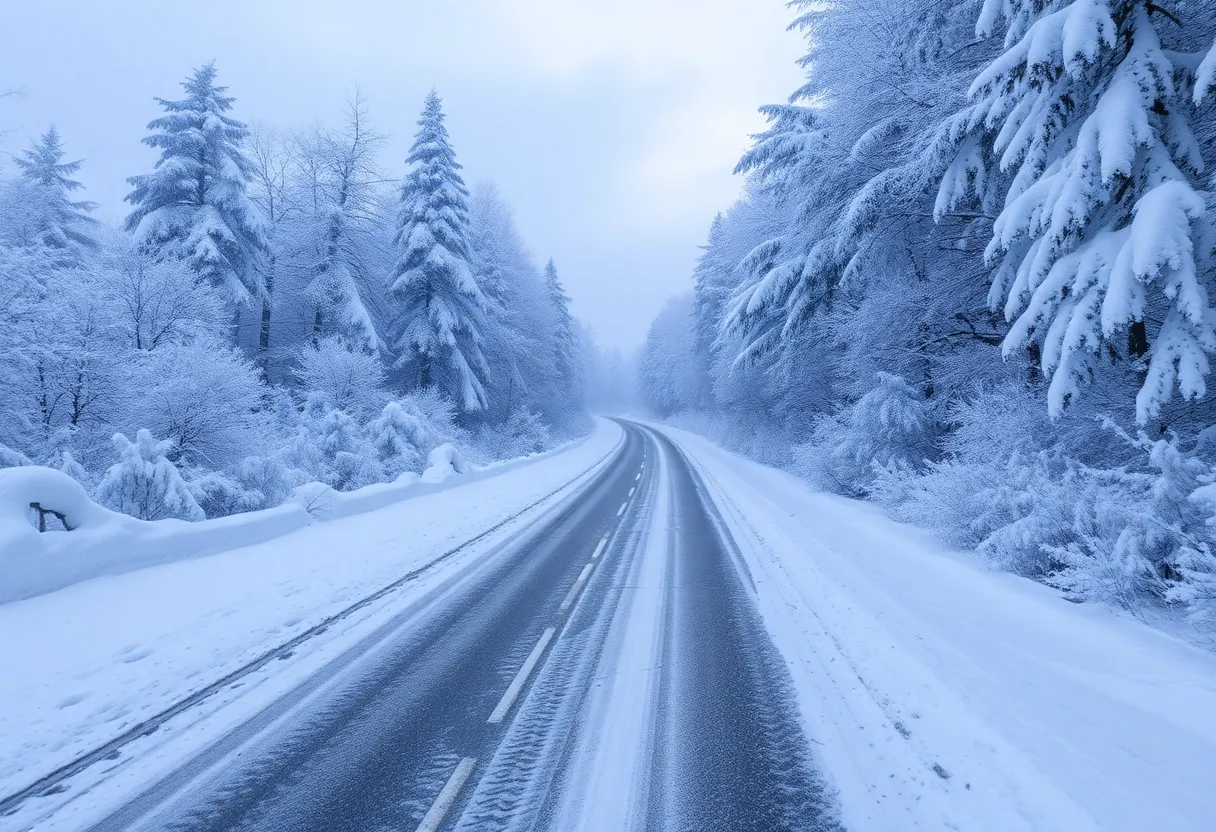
(612, 128)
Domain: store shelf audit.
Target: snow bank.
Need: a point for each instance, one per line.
(107, 543)
(53, 490)
(444, 462)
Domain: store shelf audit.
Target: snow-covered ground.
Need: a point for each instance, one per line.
(92, 659)
(944, 696)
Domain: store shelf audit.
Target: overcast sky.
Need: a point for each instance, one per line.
(611, 126)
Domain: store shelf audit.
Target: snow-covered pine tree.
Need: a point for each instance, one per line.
(57, 221)
(437, 309)
(144, 483)
(194, 204)
(1096, 246)
(566, 346)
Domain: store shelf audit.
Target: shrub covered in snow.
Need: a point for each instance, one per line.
(332, 448)
(891, 426)
(220, 495)
(351, 378)
(145, 484)
(10, 458)
(401, 438)
(524, 432)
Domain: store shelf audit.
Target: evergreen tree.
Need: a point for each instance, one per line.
(566, 343)
(1098, 246)
(438, 310)
(194, 204)
(60, 223)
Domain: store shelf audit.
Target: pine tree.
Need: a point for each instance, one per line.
(1097, 248)
(438, 310)
(60, 223)
(194, 204)
(565, 340)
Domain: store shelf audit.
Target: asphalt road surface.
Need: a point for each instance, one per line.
(475, 716)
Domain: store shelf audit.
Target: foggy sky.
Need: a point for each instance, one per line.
(611, 126)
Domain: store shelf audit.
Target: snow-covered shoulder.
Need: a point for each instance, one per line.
(947, 696)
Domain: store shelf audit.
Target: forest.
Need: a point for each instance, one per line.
(970, 280)
(278, 307)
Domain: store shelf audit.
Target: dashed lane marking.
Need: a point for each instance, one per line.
(447, 796)
(578, 584)
(517, 684)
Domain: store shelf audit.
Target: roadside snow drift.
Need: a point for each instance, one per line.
(104, 542)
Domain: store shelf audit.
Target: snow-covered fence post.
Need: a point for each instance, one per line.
(43, 512)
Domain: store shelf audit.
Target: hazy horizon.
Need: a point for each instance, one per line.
(605, 126)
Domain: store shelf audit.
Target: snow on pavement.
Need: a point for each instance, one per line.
(88, 661)
(945, 696)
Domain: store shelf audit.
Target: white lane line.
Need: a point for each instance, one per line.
(639, 476)
(621, 510)
(447, 796)
(632, 490)
(600, 549)
(517, 684)
(578, 584)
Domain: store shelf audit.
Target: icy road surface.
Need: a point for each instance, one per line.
(641, 632)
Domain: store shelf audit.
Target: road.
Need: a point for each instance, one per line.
(507, 703)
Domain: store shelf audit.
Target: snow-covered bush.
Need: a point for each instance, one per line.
(891, 426)
(1117, 535)
(351, 378)
(524, 432)
(437, 411)
(332, 448)
(270, 476)
(70, 466)
(220, 495)
(444, 462)
(10, 458)
(144, 483)
(993, 443)
(203, 396)
(401, 438)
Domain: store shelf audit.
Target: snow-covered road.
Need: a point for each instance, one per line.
(666, 637)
